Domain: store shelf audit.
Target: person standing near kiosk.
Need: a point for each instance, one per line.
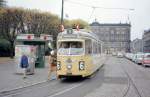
(52, 66)
(24, 64)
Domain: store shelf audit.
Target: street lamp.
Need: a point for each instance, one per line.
(62, 12)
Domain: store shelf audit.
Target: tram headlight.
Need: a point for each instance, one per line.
(58, 65)
(81, 65)
(69, 66)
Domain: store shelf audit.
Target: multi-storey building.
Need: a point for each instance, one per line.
(146, 41)
(136, 45)
(116, 37)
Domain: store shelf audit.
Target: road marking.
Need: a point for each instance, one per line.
(61, 92)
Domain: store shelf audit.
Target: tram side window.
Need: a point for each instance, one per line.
(88, 47)
(94, 47)
(99, 48)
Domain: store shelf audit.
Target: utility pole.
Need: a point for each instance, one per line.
(62, 12)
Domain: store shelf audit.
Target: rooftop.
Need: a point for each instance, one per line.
(109, 24)
(146, 31)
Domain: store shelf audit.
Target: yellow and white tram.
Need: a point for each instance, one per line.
(79, 53)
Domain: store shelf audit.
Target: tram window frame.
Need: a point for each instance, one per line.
(70, 45)
(88, 46)
(100, 49)
(94, 47)
(97, 48)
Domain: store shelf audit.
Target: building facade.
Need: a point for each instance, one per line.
(146, 41)
(136, 45)
(116, 37)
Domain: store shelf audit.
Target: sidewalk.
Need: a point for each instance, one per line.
(10, 80)
(5, 59)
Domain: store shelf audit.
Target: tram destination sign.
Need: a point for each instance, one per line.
(69, 36)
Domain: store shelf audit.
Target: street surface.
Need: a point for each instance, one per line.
(10, 80)
(119, 77)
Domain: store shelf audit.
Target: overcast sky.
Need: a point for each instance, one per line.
(140, 17)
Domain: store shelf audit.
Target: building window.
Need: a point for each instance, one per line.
(112, 31)
(117, 32)
(122, 32)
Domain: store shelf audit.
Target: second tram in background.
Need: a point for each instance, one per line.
(79, 53)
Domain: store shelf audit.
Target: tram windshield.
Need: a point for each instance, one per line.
(70, 48)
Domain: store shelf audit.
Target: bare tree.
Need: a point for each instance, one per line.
(10, 24)
(18, 20)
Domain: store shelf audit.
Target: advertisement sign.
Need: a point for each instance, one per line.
(30, 52)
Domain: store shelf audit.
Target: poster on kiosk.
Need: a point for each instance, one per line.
(30, 52)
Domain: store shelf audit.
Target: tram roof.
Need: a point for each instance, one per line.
(78, 34)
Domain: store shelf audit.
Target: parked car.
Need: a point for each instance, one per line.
(133, 58)
(138, 58)
(129, 56)
(114, 54)
(120, 55)
(146, 59)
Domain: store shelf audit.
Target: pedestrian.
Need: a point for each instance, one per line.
(24, 64)
(52, 66)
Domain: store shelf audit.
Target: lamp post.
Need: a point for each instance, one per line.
(62, 12)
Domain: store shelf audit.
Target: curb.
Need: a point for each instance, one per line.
(21, 87)
(3, 62)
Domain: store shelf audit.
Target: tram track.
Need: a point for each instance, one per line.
(127, 89)
(63, 90)
(11, 93)
(130, 83)
(55, 88)
(61, 87)
(82, 83)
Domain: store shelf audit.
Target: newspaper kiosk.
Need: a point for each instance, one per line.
(34, 47)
